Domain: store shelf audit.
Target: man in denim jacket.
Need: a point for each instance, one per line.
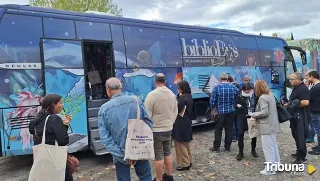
(113, 123)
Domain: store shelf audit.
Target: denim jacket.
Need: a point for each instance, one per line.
(113, 119)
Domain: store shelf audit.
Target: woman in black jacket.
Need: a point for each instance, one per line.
(244, 103)
(56, 128)
(182, 130)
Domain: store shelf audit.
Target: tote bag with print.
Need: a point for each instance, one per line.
(49, 161)
(139, 141)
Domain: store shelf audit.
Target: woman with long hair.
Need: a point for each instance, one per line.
(242, 108)
(268, 125)
(182, 130)
(56, 128)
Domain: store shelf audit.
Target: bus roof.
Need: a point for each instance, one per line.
(106, 17)
(45, 12)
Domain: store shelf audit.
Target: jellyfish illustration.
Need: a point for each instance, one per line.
(26, 138)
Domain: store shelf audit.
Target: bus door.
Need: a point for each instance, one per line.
(293, 55)
(63, 74)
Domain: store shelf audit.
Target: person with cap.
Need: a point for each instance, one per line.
(113, 119)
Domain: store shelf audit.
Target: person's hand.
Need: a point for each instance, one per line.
(132, 162)
(285, 105)
(67, 120)
(239, 106)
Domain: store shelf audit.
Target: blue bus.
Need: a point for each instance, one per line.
(44, 51)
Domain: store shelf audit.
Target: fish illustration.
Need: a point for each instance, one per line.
(31, 74)
(178, 78)
(14, 86)
(4, 99)
(22, 79)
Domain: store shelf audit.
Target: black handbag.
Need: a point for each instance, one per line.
(283, 113)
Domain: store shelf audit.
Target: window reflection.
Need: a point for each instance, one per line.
(62, 54)
(271, 52)
(59, 28)
(93, 31)
(19, 39)
(148, 47)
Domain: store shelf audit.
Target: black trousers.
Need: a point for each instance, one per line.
(241, 142)
(299, 130)
(68, 174)
(226, 122)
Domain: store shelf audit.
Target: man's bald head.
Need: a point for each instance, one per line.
(113, 86)
(160, 79)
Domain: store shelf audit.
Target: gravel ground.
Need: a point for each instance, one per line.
(206, 165)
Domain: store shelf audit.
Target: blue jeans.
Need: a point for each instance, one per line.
(316, 125)
(235, 129)
(312, 133)
(142, 168)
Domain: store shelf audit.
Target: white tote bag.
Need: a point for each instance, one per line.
(139, 142)
(49, 161)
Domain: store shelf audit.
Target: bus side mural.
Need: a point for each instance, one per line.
(73, 54)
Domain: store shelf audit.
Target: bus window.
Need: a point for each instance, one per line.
(244, 51)
(59, 28)
(149, 47)
(62, 54)
(19, 39)
(271, 51)
(93, 31)
(202, 50)
(118, 46)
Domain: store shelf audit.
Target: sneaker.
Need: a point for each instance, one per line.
(254, 154)
(264, 172)
(300, 161)
(310, 140)
(314, 152)
(166, 177)
(240, 156)
(227, 149)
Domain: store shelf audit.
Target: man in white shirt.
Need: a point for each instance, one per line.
(161, 105)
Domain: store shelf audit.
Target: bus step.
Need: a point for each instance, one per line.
(96, 103)
(101, 152)
(93, 112)
(94, 133)
(97, 145)
(93, 123)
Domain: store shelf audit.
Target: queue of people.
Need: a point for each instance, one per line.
(169, 117)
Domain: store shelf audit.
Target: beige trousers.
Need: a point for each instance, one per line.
(183, 153)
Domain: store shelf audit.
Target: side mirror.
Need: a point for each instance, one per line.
(303, 58)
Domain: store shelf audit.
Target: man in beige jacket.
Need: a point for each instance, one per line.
(161, 105)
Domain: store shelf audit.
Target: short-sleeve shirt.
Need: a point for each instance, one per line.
(300, 92)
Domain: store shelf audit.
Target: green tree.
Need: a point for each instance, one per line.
(291, 38)
(106, 6)
(275, 34)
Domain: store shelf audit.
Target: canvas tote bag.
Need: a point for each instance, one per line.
(49, 161)
(139, 141)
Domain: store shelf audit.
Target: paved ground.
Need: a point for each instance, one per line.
(207, 165)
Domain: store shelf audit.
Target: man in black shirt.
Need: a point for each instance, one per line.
(313, 77)
(299, 124)
(309, 84)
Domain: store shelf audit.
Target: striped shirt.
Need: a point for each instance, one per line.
(224, 98)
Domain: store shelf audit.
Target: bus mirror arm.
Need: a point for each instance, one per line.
(301, 51)
(90, 89)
